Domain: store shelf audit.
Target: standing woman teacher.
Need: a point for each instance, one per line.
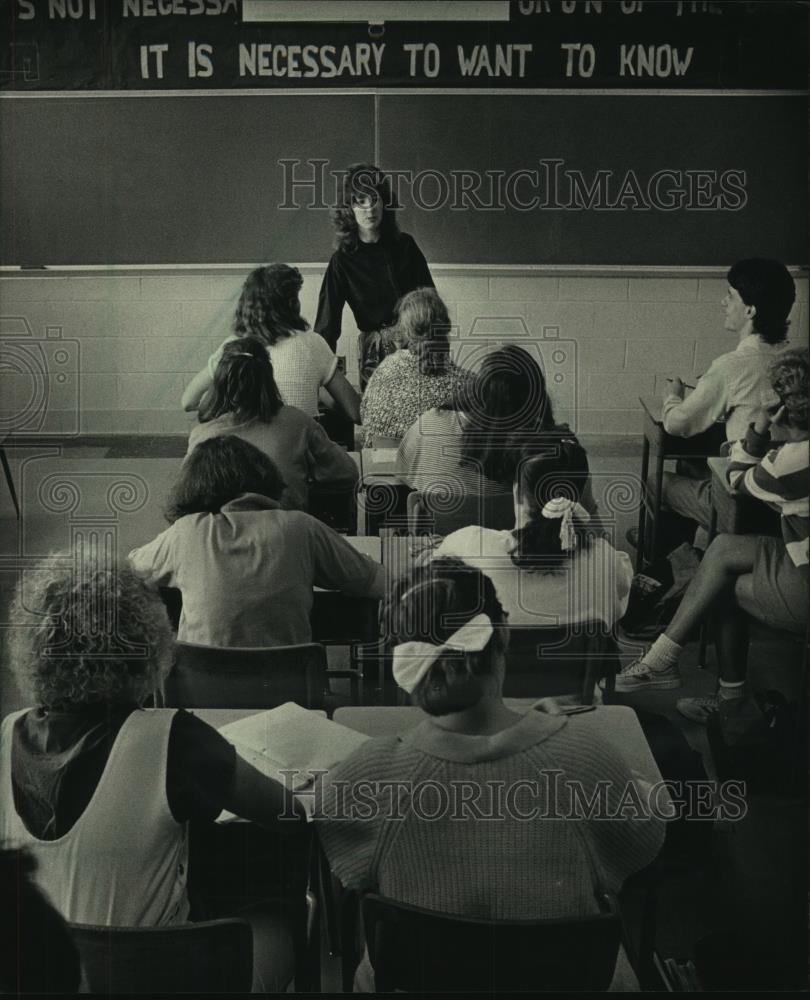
(373, 266)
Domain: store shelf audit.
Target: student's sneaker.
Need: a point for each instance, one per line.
(699, 710)
(639, 677)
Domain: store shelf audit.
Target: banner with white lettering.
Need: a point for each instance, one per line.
(62, 45)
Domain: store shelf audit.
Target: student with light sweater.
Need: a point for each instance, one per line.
(550, 569)
(736, 387)
(740, 575)
(446, 625)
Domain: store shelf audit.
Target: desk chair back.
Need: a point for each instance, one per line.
(419, 950)
(435, 513)
(214, 956)
(258, 678)
(565, 660)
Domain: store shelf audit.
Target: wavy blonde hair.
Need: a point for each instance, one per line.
(83, 634)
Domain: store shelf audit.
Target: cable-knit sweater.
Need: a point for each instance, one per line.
(374, 819)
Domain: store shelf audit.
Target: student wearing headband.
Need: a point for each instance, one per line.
(455, 814)
(245, 401)
(552, 568)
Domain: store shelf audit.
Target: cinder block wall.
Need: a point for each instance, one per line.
(141, 336)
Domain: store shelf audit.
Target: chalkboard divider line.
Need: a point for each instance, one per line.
(402, 92)
(376, 128)
(559, 270)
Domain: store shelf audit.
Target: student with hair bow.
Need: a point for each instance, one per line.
(470, 813)
(553, 567)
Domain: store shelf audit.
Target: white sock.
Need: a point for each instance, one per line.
(732, 689)
(663, 654)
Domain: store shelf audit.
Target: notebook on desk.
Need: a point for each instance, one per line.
(291, 738)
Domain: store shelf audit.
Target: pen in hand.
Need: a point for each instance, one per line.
(684, 384)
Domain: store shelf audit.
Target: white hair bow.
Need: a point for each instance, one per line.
(566, 510)
(412, 660)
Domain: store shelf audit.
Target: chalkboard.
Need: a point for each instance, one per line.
(150, 180)
(739, 161)
(648, 180)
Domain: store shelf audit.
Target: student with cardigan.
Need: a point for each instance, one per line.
(101, 791)
(244, 401)
(736, 386)
(421, 374)
(373, 266)
(246, 567)
(446, 624)
(747, 575)
(269, 309)
(550, 569)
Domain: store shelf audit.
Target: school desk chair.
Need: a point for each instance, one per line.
(441, 513)
(257, 677)
(419, 950)
(213, 956)
(9, 480)
(561, 661)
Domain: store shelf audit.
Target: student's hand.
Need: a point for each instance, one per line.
(780, 417)
(677, 388)
(762, 422)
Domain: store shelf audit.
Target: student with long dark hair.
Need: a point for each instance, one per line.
(476, 444)
(244, 401)
(426, 845)
(552, 568)
(269, 310)
(246, 568)
(373, 266)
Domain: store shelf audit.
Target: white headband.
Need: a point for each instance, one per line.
(566, 510)
(412, 660)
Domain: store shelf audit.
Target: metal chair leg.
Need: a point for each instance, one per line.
(10, 481)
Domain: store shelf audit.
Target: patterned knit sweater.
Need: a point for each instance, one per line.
(480, 826)
(777, 473)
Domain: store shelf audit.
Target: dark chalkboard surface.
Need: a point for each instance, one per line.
(148, 180)
(739, 161)
(167, 179)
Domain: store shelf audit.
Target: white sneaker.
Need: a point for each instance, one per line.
(639, 677)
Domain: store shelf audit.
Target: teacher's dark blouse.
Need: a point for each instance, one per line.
(371, 279)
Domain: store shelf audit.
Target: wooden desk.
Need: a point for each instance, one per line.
(666, 446)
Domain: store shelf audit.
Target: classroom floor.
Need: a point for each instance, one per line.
(754, 873)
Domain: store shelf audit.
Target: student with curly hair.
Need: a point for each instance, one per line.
(446, 625)
(101, 790)
(244, 401)
(421, 375)
(373, 266)
(550, 569)
(741, 575)
(269, 310)
(246, 568)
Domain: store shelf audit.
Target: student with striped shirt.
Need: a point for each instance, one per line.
(740, 575)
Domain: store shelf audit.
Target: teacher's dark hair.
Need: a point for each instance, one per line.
(363, 180)
(243, 384)
(429, 606)
(767, 285)
(507, 408)
(220, 470)
(268, 307)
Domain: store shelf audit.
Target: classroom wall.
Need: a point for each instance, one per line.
(141, 336)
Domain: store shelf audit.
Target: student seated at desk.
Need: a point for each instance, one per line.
(244, 401)
(245, 566)
(474, 445)
(101, 791)
(303, 362)
(550, 570)
(760, 295)
(446, 625)
(421, 375)
(756, 575)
